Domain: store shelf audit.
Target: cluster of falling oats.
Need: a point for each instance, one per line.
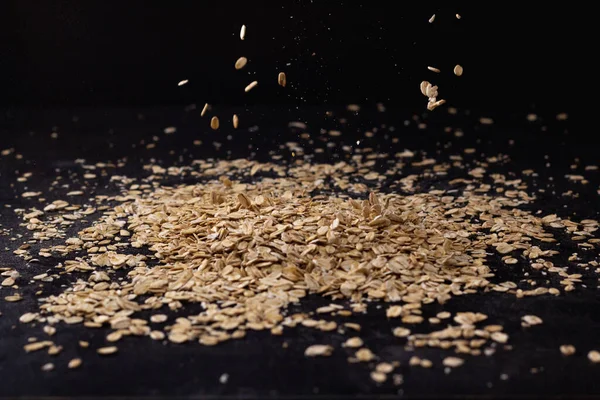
(431, 91)
(239, 64)
(246, 251)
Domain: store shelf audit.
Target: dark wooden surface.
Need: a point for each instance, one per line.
(259, 366)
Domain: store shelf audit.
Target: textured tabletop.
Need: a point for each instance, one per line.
(97, 151)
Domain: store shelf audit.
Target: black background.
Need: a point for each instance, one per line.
(122, 53)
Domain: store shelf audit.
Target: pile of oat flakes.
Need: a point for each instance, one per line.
(249, 239)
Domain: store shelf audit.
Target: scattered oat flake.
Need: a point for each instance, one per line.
(35, 346)
(499, 337)
(432, 105)
(393, 311)
(434, 69)
(531, 117)
(157, 335)
(318, 350)
(424, 85)
(378, 377)
(414, 361)
(432, 18)
(54, 350)
(352, 325)
(384, 367)
(214, 123)
(458, 16)
(504, 248)
(281, 79)
(114, 336)
(412, 319)
(398, 379)
(251, 86)
(443, 315)
(567, 349)
(401, 332)
(8, 282)
(47, 367)
(458, 70)
(204, 109)
(354, 342)
(170, 130)
(297, 125)
(158, 318)
(207, 340)
(223, 378)
(531, 320)
(177, 337)
(493, 328)
(74, 363)
(241, 62)
(49, 330)
(236, 121)
(183, 82)
(453, 362)
(364, 355)
(107, 350)
(278, 330)
(28, 317)
(243, 32)
(594, 356)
